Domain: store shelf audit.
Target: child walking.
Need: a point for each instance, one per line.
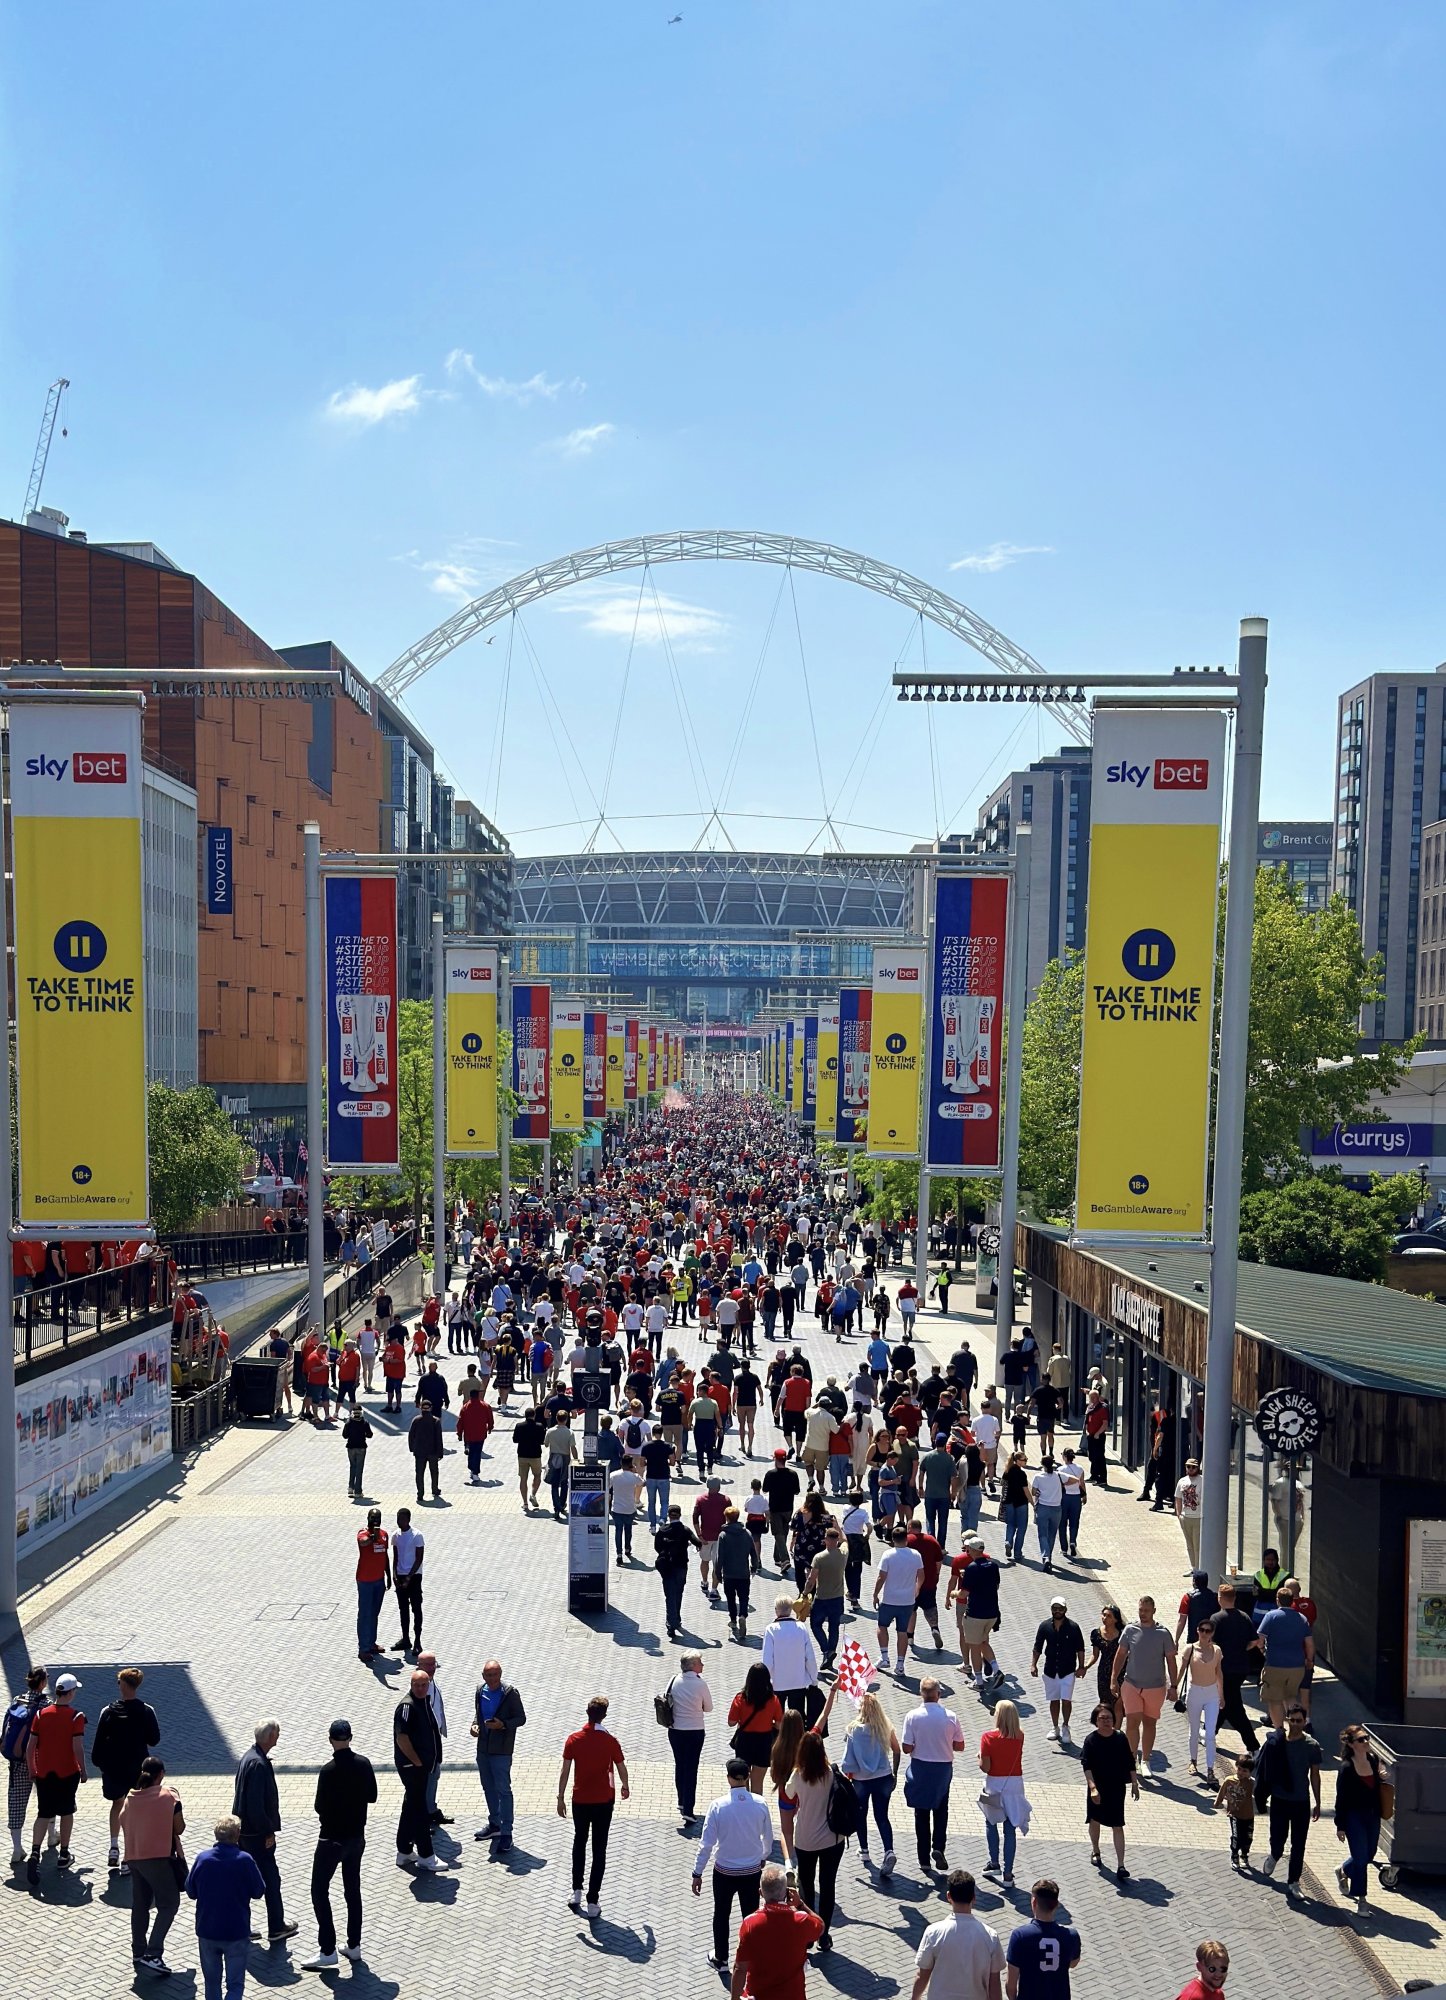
(1237, 1796)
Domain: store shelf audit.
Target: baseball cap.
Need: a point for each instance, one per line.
(1058, 1604)
(1199, 1577)
(780, 1451)
(975, 1542)
(67, 1684)
(340, 1729)
(427, 1662)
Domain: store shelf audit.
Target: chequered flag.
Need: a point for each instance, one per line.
(855, 1670)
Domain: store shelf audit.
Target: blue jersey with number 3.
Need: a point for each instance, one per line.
(1043, 1955)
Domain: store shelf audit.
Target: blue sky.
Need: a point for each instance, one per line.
(1149, 293)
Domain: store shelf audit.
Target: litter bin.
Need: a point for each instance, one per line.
(256, 1386)
(1414, 1840)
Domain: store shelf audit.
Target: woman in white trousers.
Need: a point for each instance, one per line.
(1203, 1687)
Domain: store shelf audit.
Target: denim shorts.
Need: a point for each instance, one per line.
(894, 1614)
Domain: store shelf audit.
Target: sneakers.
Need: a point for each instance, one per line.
(574, 1900)
(1269, 1865)
(1342, 1880)
(1053, 1736)
(428, 1863)
(349, 1950)
(990, 1868)
(1064, 1736)
(156, 1968)
(282, 1932)
(718, 1964)
(594, 1909)
(112, 1860)
(63, 1857)
(940, 1859)
(887, 1866)
(406, 1860)
(884, 1661)
(1294, 1891)
(504, 1844)
(325, 1961)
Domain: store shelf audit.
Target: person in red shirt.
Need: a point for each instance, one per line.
(373, 1581)
(927, 1601)
(474, 1427)
(394, 1372)
(57, 1753)
(591, 1755)
(792, 1408)
(348, 1373)
(773, 1944)
(318, 1383)
(1212, 1964)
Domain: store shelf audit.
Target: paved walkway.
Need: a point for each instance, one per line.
(236, 1596)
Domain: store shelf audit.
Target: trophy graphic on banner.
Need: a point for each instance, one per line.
(364, 1019)
(856, 1081)
(531, 1082)
(966, 1050)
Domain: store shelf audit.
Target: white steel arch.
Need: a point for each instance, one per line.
(717, 545)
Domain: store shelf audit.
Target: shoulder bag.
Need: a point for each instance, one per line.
(663, 1707)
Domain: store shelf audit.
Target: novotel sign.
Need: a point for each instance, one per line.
(1140, 1315)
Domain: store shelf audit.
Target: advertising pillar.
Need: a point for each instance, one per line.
(532, 1062)
(80, 1017)
(630, 1061)
(896, 1052)
(810, 1069)
(826, 1126)
(855, 1030)
(471, 1045)
(616, 1061)
(964, 1135)
(594, 1065)
(360, 932)
(566, 1066)
(652, 1059)
(1157, 801)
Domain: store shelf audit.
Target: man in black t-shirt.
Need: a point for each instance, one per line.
(417, 1749)
(781, 1486)
(658, 1458)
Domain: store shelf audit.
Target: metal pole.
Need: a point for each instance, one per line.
(315, 1049)
(504, 1123)
(1018, 978)
(1230, 1096)
(439, 1109)
(924, 918)
(9, 1456)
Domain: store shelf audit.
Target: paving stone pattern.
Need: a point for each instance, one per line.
(236, 1596)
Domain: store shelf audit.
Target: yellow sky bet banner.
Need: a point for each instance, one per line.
(471, 1038)
(827, 1120)
(1157, 788)
(617, 1035)
(75, 788)
(567, 1066)
(896, 1052)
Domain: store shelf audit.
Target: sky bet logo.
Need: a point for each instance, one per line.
(86, 767)
(1171, 774)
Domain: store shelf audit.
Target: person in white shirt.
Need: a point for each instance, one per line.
(1047, 1492)
(738, 1839)
(439, 1716)
(632, 1317)
(1072, 1479)
(790, 1657)
(692, 1702)
(655, 1321)
(366, 1342)
(932, 1736)
(624, 1488)
(986, 1435)
(896, 1590)
(960, 1958)
(820, 1426)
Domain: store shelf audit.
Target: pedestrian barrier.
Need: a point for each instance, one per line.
(196, 1417)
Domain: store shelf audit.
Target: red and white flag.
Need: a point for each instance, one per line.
(268, 1165)
(855, 1670)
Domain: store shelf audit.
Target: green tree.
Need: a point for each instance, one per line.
(196, 1158)
(1314, 1222)
(1309, 980)
(1049, 1087)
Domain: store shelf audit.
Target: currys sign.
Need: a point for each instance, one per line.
(1374, 1142)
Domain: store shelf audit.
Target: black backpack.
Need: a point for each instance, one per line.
(841, 1815)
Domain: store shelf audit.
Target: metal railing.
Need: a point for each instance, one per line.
(232, 1253)
(57, 1315)
(359, 1284)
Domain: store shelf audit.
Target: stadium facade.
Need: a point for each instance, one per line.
(710, 934)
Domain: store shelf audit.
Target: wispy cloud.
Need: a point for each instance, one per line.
(363, 407)
(582, 443)
(689, 628)
(999, 555)
(466, 568)
(461, 366)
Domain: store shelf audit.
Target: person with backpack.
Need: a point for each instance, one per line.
(125, 1732)
(819, 1809)
(14, 1748)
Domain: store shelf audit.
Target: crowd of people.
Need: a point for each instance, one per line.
(708, 1225)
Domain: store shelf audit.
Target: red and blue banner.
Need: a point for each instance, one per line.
(855, 1035)
(532, 1062)
(966, 1042)
(810, 1069)
(361, 1023)
(630, 1061)
(594, 1065)
(652, 1059)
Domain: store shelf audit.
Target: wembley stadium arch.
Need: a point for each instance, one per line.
(712, 933)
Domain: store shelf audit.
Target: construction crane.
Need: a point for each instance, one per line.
(42, 445)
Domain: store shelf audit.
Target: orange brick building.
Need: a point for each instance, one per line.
(260, 767)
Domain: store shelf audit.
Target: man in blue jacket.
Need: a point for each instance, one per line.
(224, 1881)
